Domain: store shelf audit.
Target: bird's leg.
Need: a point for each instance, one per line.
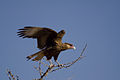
(51, 64)
(58, 63)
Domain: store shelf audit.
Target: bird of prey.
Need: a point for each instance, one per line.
(48, 41)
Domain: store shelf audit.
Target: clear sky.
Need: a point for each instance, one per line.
(95, 22)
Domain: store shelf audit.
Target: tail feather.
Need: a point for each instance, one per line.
(39, 55)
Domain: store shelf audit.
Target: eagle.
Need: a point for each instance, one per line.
(48, 41)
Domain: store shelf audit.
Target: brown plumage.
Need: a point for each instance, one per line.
(48, 40)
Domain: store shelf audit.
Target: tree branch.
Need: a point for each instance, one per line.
(11, 76)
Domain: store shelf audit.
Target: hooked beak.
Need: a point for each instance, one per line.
(73, 47)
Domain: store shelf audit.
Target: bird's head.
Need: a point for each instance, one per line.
(69, 46)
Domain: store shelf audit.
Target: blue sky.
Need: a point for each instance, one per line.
(95, 22)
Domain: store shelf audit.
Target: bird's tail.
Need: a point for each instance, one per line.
(39, 55)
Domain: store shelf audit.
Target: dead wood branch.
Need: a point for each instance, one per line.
(11, 76)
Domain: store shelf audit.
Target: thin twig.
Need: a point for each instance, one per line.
(47, 71)
(17, 77)
(10, 75)
(40, 71)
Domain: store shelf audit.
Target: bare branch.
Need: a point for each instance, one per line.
(40, 71)
(11, 76)
(47, 71)
(8, 75)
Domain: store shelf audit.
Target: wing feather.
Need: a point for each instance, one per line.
(41, 34)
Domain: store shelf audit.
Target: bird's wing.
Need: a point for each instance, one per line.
(61, 34)
(43, 35)
(59, 37)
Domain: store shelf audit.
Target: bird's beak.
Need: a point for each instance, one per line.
(74, 47)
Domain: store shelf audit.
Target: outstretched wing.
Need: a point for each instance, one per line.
(44, 36)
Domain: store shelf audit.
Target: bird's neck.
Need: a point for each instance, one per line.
(64, 47)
